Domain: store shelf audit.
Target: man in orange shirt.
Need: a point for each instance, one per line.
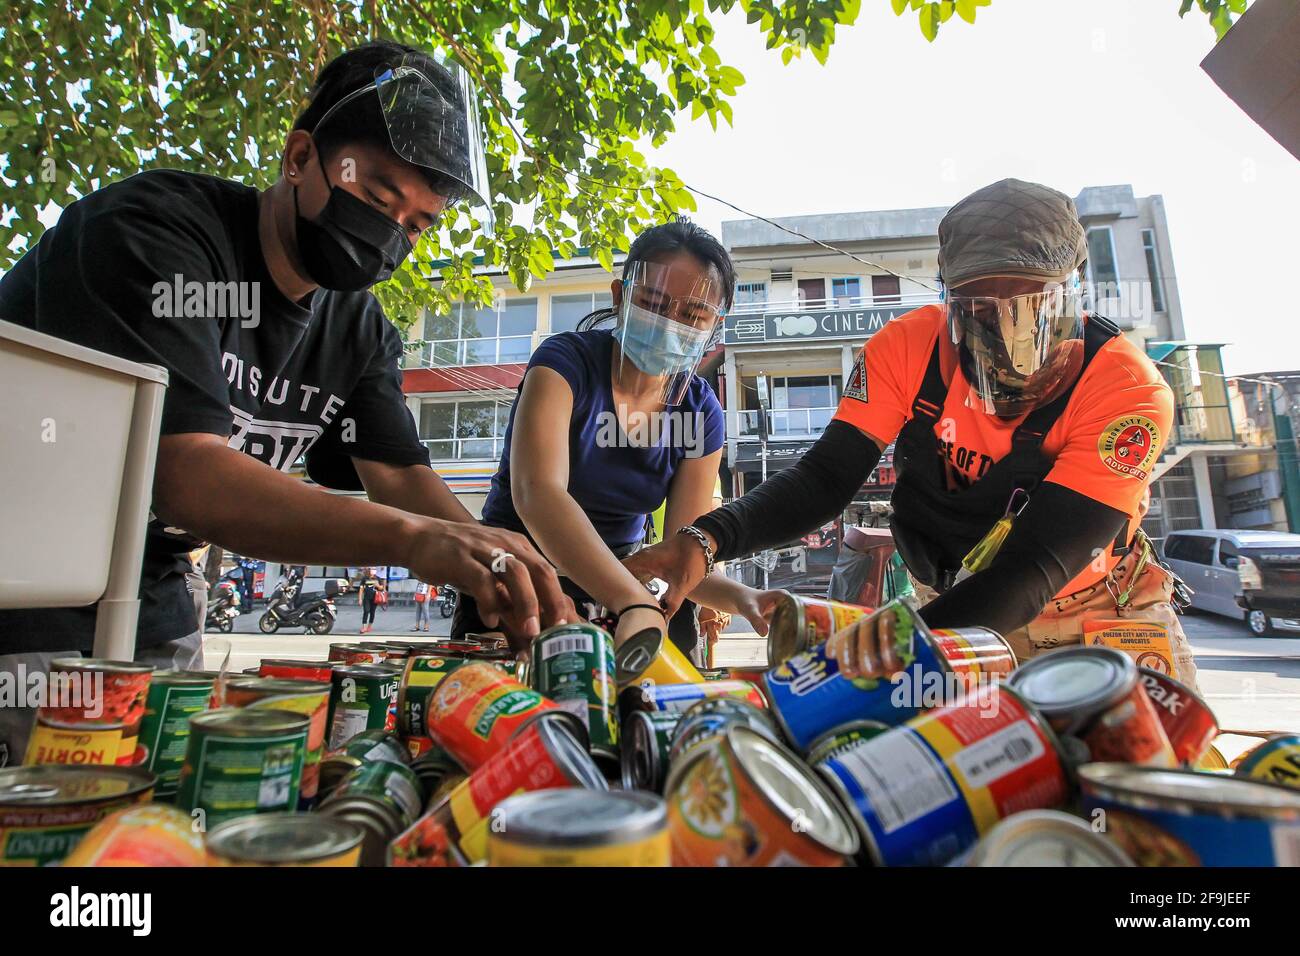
(1006, 401)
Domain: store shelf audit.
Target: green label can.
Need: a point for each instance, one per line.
(573, 664)
(174, 697)
(242, 761)
(362, 697)
(420, 678)
(393, 785)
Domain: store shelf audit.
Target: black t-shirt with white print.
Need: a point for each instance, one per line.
(166, 267)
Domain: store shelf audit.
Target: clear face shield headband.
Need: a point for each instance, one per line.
(669, 317)
(1018, 352)
(433, 124)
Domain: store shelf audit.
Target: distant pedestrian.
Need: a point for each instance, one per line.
(368, 598)
(423, 599)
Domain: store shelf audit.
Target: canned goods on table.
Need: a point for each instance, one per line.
(285, 839)
(381, 797)
(800, 623)
(679, 697)
(573, 665)
(649, 658)
(1093, 693)
(362, 697)
(152, 834)
(96, 693)
(310, 698)
(545, 756)
(478, 708)
(1276, 760)
(174, 697)
(706, 719)
(363, 748)
(924, 792)
(1045, 838)
(356, 654)
(297, 670)
(647, 736)
(435, 767)
(420, 678)
(242, 761)
(1186, 718)
(45, 811)
(809, 695)
(1184, 818)
(580, 828)
(740, 799)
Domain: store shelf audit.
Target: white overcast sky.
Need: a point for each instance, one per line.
(1062, 92)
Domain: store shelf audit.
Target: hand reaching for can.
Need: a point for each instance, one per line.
(866, 647)
(514, 587)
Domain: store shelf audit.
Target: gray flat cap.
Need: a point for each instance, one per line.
(1011, 228)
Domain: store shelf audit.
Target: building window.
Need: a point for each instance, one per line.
(803, 406)
(885, 290)
(470, 335)
(1153, 270)
(568, 310)
(751, 293)
(849, 287)
(464, 429)
(1103, 270)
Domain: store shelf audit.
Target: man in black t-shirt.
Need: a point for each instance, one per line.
(257, 305)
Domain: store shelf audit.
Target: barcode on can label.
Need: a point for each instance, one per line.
(901, 777)
(998, 754)
(574, 643)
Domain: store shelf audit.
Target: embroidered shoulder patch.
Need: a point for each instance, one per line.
(1130, 446)
(857, 384)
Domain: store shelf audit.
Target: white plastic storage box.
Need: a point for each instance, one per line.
(78, 439)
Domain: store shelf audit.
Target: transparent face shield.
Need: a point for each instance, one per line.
(669, 317)
(433, 121)
(1018, 352)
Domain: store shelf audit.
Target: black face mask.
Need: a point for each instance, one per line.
(351, 245)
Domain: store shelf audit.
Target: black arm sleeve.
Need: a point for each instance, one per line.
(797, 500)
(1052, 540)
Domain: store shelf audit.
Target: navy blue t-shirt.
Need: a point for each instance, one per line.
(615, 483)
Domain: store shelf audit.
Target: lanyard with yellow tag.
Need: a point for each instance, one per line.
(982, 555)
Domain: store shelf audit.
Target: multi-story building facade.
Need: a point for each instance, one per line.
(801, 313)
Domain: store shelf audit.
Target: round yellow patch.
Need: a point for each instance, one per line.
(1130, 446)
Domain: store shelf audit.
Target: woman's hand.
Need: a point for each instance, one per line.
(639, 619)
(757, 607)
(677, 560)
(866, 647)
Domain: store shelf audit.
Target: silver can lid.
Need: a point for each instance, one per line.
(283, 838)
(1189, 791)
(577, 817)
(637, 652)
(1046, 838)
(789, 786)
(1075, 680)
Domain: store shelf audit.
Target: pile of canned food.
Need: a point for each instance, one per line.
(455, 753)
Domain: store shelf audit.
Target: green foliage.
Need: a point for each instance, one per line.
(931, 15)
(91, 92)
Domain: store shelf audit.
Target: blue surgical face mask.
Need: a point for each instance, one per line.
(658, 345)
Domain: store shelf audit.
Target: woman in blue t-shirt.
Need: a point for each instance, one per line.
(609, 423)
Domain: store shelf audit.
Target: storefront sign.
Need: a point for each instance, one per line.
(856, 324)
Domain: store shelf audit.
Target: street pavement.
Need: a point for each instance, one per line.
(1251, 683)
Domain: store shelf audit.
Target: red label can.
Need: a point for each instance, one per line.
(478, 707)
(355, 654)
(544, 756)
(1188, 721)
(319, 671)
(93, 693)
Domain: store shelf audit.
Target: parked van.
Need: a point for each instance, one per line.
(1248, 575)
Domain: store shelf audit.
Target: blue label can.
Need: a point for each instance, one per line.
(810, 696)
(1186, 818)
